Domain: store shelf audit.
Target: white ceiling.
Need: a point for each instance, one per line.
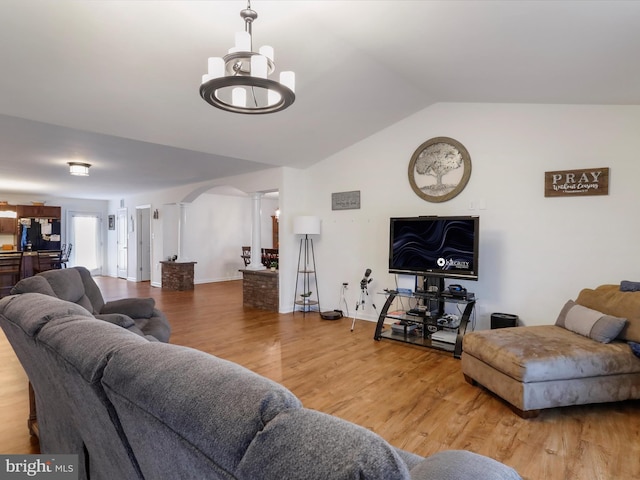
(115, 83)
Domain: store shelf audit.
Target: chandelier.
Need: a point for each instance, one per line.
(239, 82)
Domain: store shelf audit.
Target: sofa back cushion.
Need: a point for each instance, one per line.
(180, 407)
(35, 284)
(32, 311)
(609, 299)
(67, 284)
(91, 289)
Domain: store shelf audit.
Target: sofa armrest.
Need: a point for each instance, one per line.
(411, 459)
(133, 307)
(462, 465)
(311, 445)
(118, 319)
(125, 322)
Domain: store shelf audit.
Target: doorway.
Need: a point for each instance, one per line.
(84, 235)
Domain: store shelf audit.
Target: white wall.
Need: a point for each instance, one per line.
(535, 252)
(218, 226)
(230, 224)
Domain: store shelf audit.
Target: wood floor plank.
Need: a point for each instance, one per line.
(413, 397)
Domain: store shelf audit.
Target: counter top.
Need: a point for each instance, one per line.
(266, 271)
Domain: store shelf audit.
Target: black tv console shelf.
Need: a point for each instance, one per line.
(417, 329)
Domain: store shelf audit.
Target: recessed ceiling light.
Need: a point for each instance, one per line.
(79, 168)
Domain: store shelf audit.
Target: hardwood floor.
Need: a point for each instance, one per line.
(414, 397)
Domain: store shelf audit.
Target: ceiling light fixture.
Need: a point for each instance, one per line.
(239, 83)
(79, 168)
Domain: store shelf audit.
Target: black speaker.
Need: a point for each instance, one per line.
(503, 320)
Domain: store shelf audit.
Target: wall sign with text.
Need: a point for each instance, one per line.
(345, 200)
(576, 183)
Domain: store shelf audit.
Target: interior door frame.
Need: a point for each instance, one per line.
(143, 243)
(122, 234)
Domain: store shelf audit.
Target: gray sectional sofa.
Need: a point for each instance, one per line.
(138, 409)
(78, 286)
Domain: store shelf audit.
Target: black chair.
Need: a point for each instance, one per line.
(246, 255)
(270, 256)
(64, 258)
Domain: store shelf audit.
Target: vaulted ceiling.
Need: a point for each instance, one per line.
(115, 83)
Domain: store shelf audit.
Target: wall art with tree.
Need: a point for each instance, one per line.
(439, 169)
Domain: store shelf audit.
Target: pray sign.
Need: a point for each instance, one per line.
(572, 183)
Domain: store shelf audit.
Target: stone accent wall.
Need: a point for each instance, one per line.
(260, 289)
(177, 275)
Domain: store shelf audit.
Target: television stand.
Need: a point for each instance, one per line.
(417, 329)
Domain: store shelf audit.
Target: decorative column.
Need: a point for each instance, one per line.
(178, 274)
(256, 236)
(182, 233)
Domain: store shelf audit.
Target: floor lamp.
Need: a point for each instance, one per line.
(306, 225)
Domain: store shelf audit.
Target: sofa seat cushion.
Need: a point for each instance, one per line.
(548, 352)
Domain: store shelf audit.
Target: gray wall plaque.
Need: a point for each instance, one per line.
(345, 200)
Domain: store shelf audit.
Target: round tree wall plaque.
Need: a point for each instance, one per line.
(439, 169)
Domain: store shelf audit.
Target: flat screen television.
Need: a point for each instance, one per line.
(445, 247)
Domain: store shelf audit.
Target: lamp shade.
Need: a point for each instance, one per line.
(306, 225)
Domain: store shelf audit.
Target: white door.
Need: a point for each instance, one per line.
(122, 233)
(84, 235)
(144, 244)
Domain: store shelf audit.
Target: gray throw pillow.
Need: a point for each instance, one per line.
(563, 313)
(590, 323)
(627, 286)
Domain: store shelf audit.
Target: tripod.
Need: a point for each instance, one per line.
(364, 294)
(343, 299)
